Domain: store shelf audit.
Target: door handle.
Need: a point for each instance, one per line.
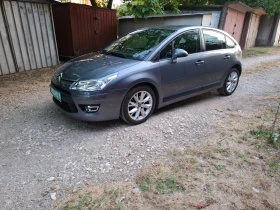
(199, 62)
(227, 57)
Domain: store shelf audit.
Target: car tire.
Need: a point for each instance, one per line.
(138, 105)
(231, 83)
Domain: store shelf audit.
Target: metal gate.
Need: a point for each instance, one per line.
(82, 29)
(27, 36)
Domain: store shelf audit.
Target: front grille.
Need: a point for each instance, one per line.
(60, 89)
(66, 84)
(68, 107)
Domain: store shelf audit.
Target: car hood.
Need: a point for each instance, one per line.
(93, 66)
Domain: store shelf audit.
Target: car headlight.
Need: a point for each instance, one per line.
(94, 84)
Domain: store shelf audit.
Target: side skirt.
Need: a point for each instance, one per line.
(188, 94)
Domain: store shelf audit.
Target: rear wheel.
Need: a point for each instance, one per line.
(230, 83)
(138, 105)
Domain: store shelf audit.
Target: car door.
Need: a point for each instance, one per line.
(184, 76)
(216, 56)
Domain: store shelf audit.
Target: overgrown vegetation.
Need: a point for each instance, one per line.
(143, 8)
(259, 51)
(107, 200)
(272, 135)
(256, 51)
(237, 168)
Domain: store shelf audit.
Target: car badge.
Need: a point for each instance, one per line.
(59, 77)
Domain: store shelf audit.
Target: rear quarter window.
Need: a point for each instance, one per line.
(230, 43)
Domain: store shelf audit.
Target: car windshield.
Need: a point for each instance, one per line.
(137, 45)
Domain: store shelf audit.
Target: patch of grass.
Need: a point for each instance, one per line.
(222, 150)
(85, 202)
(265, 134)
(191, 160)
(220, 167)
(160, 184)
(261, 133)
(244, 138)
(275, 139)
(208, 153)
(275, 136)
(274, 166)
(241, 156)
(109, 197)
(167, 185)
(259, 146)
(256, 51)
(177, 153)
(199, 170)
(259, 51)
(145, 184)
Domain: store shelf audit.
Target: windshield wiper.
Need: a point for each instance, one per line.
(118, 54)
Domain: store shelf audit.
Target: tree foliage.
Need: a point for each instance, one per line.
(141, 8)
(272, 7)
(144, 8)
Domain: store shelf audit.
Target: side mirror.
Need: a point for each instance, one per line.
(178, 53)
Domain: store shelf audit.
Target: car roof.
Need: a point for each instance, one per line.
(175, 27)
(180, 28)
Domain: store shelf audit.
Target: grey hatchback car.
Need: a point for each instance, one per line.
(146, 70)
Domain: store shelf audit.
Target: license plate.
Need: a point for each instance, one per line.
(55, 93)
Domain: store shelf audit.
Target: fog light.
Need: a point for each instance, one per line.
(91, 109)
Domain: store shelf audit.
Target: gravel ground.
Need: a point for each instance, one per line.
(254, 61)
(40, 148)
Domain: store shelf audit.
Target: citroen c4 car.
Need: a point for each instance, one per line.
(146, 70)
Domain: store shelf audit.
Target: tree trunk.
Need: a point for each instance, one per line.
(93, 3)
(109, 5)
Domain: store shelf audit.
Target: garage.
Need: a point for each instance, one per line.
(27, 37)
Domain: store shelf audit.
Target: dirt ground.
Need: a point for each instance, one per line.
(42, 151)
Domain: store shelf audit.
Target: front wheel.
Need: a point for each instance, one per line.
(138, 105)
(230, 83)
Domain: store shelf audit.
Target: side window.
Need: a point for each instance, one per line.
(230, 43)
(214, 40)
(189, 41)
(166, 52)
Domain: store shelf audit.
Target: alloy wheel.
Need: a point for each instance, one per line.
(232, 82)
(140, 105)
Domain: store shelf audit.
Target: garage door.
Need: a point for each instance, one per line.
(27, 38)
(234, 23)
(7, 65)
(252, 31)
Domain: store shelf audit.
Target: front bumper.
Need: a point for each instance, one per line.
(72, 102)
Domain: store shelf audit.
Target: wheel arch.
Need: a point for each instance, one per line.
(152, 86)
(238, 67)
